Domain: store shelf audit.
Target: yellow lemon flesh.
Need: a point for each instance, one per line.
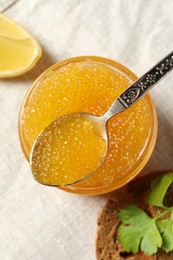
(19, 51)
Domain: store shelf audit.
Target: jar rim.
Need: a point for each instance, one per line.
(128, 74)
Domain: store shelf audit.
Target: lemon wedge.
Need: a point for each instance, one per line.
(19, 51)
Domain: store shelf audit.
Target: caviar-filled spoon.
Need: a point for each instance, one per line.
(74, 146)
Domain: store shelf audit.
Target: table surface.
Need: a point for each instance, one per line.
(38, 222)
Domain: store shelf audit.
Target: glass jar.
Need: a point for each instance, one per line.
(91, 84)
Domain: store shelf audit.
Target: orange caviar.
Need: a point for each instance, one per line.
(91, 84)
(68, 150)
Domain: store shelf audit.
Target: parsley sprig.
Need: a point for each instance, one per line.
(138, 231)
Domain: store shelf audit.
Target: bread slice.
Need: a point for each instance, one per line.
(107, 245)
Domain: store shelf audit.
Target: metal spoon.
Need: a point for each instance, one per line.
(130, 96)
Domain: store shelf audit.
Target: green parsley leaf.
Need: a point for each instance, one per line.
(158, 190)
(166, 229)
(140, 230)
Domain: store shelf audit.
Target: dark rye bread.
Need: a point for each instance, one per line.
(107, 246)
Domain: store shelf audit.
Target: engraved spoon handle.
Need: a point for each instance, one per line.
(140, 87)
(147, 81)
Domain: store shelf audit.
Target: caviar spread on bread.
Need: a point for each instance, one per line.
(138, 222)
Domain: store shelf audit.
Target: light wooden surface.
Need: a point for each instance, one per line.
(43, 223)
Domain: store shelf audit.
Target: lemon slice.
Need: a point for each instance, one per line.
(19, 51)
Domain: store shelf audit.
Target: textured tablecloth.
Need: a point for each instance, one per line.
(38, 222)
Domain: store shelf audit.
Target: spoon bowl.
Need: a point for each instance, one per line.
(66, 145)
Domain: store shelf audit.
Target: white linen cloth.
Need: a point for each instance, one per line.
(38, 222)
